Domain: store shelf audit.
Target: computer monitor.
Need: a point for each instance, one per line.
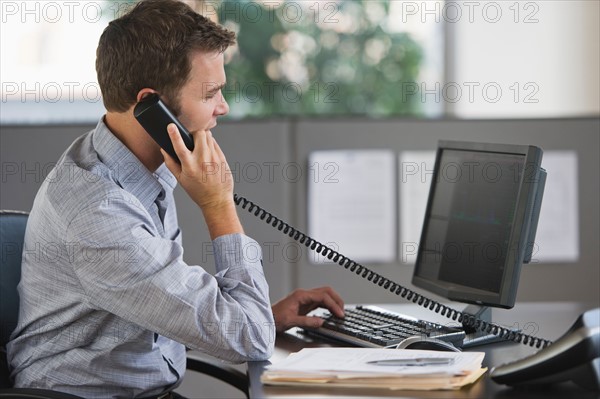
(480, 221)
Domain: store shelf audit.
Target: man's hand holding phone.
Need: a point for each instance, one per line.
(205, 176)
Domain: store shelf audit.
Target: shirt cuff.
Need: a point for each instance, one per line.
(237, 250)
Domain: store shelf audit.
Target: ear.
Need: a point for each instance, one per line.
(144, 92)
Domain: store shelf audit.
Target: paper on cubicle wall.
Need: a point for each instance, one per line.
(557, 238)
(352, 203)
(415, 175)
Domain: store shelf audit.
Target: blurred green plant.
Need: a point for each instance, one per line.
(318, 58)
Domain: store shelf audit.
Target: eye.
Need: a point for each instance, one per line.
(212, 94)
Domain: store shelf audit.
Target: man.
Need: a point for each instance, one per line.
(108, 305)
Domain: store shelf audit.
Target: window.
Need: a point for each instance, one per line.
(47, 60)
(293, 57)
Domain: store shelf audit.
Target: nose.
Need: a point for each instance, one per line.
(222, 107)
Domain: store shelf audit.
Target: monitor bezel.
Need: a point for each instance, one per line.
(519, 234)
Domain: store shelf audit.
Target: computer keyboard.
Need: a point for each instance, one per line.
(374, 327)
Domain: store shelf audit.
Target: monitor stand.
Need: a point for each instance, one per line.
(474, 337)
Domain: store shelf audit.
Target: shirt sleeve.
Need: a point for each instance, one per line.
(126, 268)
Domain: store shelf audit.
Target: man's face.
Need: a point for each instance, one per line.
(201, 100)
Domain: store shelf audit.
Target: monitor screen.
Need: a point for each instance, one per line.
(480, 221)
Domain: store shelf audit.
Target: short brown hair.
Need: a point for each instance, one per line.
(150, 46)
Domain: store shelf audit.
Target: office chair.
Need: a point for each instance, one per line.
(12, 233)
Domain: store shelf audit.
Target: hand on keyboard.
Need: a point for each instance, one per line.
(292, 310)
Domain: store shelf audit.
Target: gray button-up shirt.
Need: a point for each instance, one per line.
(108, 305)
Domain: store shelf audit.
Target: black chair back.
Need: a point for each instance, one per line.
(12, 233)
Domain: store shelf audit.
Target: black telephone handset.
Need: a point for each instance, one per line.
(154, 116)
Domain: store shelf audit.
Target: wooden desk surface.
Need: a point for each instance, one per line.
(547, 320)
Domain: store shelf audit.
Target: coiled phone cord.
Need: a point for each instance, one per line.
(467, 320)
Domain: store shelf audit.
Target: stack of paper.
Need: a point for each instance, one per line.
(376, 368)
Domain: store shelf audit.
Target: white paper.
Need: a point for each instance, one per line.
(415, 175)
(557, 238)
(351, 203)
(353, 362)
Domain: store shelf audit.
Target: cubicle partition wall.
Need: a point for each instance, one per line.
(575, 279)
(269, 162)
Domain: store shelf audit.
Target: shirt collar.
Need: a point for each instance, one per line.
(128, 171)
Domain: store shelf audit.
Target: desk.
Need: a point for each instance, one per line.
(547, 320)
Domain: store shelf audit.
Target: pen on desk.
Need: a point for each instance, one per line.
(419, 361)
